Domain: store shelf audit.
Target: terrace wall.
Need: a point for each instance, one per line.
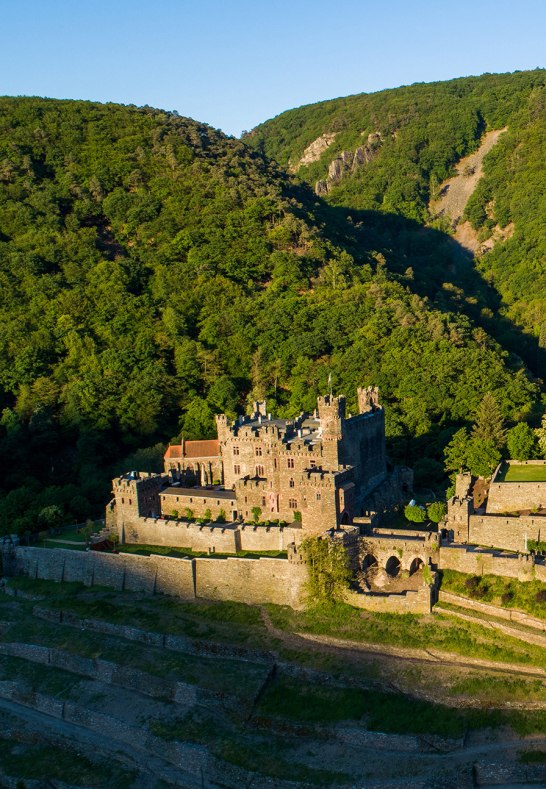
(411, 602)
(476, 562)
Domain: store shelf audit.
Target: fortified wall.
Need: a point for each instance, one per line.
(490, 525)
(210, 537)
(477, 561)
(252, 581)
(508, 497)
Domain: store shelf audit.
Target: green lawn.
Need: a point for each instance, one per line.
(163, 550)
(522, 473)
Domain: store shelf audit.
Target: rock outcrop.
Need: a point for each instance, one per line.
(349, 161)
(314, 151)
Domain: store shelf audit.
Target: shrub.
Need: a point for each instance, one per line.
(414, 513)
(540, 596)
(436, 511)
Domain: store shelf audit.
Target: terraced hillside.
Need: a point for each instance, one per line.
(100, 688)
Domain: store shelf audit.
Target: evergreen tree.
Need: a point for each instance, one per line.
(489, 424)
(456, 452)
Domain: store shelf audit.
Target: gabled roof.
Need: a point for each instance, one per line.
(194, 449)
(202, 449)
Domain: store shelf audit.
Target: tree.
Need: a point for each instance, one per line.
(414, 513)
(483, 458)
(256, 512)
(489, 424)
(456, 452)
(436, 511)
(207, 515)
(540, 433)
(522, 442)
(50, 517)
(328, 565)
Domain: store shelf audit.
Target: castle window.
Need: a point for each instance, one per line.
(123, 501)
(313, 463)
(263, 501)
(293, 504)
(258, 451)
(274, 463)
(130, 501)
(235, 450)
(318, 496)
(292, 483)
(290, 462)
(237, 469)
(260, 471)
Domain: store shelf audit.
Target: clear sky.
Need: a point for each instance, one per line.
(235, 63)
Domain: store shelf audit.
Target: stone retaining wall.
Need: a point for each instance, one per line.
(474, 561)
(419, 602)
(160, 640)
(493, 610)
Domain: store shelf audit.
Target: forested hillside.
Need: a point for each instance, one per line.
(154, 272)
(383, 157)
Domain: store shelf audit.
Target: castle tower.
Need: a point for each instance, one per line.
(368, 399)
(331, 413)
(222, 426)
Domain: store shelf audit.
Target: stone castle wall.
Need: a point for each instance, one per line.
(475, 562)
(509, 533)
(515, 496)
(405, 549)
(209, 538)
(419, 602)
(252, 581)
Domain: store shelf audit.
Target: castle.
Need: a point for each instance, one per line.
(303, 476)
(265, 484)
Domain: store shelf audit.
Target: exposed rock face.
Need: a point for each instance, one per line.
(349, 161)
(314, 151)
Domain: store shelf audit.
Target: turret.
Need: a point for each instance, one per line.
(222, 427)
(331, 413)
(368, 399)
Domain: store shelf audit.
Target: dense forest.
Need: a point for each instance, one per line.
(417, 135)
(154, 272)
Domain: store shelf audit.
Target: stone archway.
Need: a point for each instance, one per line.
(392, 566)
(416, 565)
(345, 519)
(369, 562)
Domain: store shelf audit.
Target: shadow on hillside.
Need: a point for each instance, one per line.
(433, 265)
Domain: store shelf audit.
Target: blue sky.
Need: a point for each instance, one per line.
(236, 63)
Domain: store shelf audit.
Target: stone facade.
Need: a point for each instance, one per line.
(490, 526)
(317, 471)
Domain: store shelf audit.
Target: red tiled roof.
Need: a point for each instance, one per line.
(174, 451)
(202, 449)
